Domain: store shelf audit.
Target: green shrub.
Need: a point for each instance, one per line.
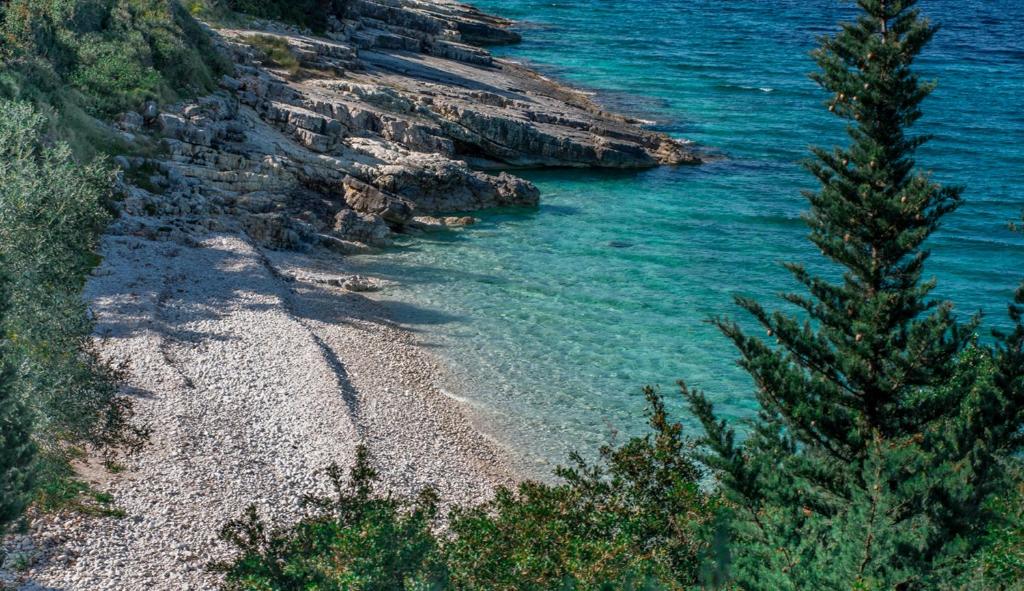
(1001, 564)
(308, 13)
(182, 51)
(276, 51)
(63, 63)
(114, 73)
(52, 212)
(17, 450)
(634, 521)
(357, 541)
(116, 53)
(33, 80)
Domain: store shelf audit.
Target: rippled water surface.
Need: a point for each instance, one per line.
(555, 318)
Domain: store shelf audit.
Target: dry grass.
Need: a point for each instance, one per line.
(276, 52)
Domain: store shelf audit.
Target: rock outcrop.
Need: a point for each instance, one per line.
(394, 115)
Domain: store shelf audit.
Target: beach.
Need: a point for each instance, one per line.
(250, 355)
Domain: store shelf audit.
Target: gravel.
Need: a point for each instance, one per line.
(253, 381)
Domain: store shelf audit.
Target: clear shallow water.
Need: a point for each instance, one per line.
(555, 318)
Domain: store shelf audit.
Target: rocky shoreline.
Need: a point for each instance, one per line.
(372, 131)
(258, 363)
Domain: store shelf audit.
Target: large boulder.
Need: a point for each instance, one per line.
(365, 198)
(361, 227)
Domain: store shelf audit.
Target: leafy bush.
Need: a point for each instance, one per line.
(114, 74)
(17, 450)
(633, 521)
(308, 13)
(1001, 564)
(116, 53)
(64, 63)
(358, 541)
(52, 212)
(277, 52)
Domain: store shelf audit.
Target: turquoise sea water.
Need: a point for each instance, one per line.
(554, 318)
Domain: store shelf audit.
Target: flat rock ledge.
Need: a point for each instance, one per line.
(255, 358)
(393, 115)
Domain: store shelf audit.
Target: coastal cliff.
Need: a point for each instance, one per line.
(391, 117)
(245, 345)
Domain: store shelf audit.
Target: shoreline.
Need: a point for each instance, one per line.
(249, 351)
(254, 378)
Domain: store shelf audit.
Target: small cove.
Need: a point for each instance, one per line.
(553, 319)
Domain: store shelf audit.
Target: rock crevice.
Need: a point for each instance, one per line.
(394, 114)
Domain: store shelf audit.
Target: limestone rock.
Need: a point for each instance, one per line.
(360, 284)
(130, 122)
(361, 227)
(426, 223)
(150, 111)
(365, 198)
(398, 114)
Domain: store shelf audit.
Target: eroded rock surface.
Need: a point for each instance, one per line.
(395, 114)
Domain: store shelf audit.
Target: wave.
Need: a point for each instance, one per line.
(743, 88)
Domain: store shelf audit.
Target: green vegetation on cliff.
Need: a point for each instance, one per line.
(885, 455)
(309, 13)
(17, 450)
(52, 211)
(66, 66)
(116, 53)
(356, 540)
(636, 519)
(77, 60)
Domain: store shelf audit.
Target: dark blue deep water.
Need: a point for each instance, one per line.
(553, 319)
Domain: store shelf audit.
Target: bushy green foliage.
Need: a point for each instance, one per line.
(1000, 565)
(633, 521)
(357, 541)
(17, 450)
(62, 64)
(883, 430)
(35, 81)
(116, 53)
(114, 73)
(52, 211)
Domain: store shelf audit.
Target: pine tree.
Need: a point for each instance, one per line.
(17, 451)
(883, 425)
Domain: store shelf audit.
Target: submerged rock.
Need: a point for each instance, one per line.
(434, 224)
(360, 284)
